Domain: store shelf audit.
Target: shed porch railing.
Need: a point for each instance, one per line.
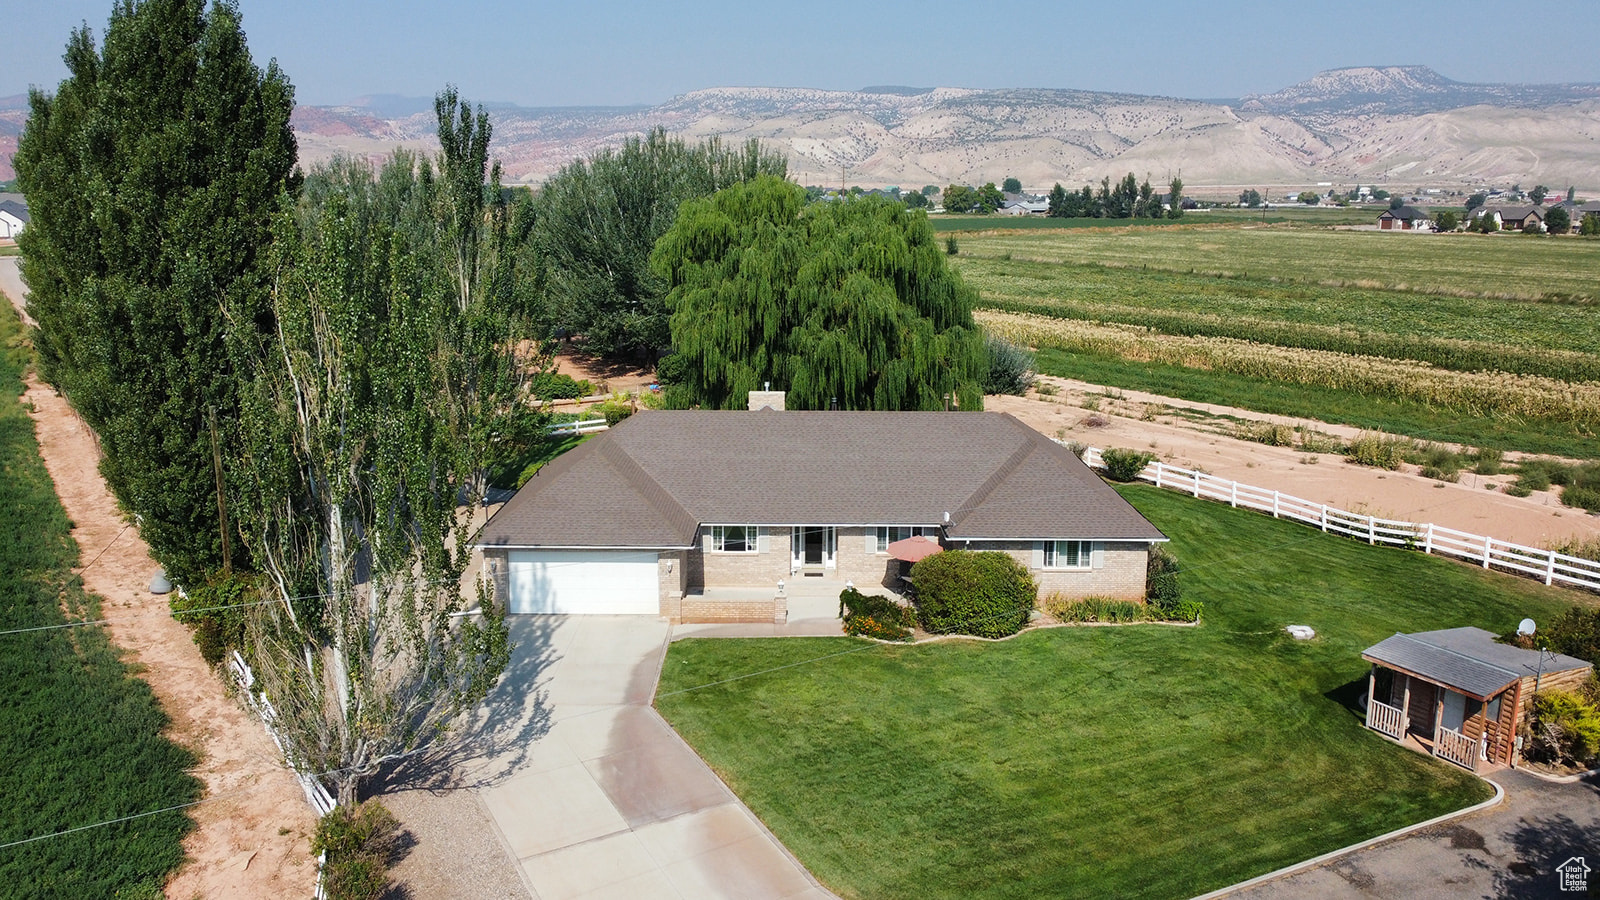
(1453, 746)
(1386, 719)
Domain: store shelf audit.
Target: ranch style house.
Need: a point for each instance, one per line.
(717, 516)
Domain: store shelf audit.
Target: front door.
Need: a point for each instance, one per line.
(814, 547)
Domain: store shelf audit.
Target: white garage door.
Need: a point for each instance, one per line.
(595, 582)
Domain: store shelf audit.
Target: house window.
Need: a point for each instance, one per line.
(1066, 554)
(888, 534)
(733, 538)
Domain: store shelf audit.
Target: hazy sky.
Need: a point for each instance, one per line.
(607, 52)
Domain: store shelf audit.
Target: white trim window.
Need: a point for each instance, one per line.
(888, 534)
(734, 538)
(1068, 554)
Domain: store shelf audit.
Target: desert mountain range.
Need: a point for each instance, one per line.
(1403, 126)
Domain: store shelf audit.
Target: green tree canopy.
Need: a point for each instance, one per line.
(1538, 194)
(1012, 185)
(1473, 202)
(990, 198)
(390, 357)
(151, 177)
(958, 198)
(849, 302)
(598, 218)
(1558, 220)
(1175, 191)
(1250, 198)
(1309, 198)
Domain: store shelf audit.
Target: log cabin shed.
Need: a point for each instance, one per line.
(1461, 693)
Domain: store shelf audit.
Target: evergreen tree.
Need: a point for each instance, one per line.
(1058, 202)
(151, 176)
(847, 302)
(1558, 220)
(598, 218)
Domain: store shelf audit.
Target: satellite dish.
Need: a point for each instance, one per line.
(1525, 627)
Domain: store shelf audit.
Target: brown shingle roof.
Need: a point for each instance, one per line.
(651, 480)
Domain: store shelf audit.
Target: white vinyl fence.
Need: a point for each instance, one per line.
(1545, 565)
(587, 426)
(316, 795)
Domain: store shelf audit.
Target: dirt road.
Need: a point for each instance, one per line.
(251, 840)
(1179, 431)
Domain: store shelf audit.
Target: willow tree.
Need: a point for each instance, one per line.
(598, 219)
(388, 357)
(848, 303)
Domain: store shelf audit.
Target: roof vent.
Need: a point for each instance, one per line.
(767, 400)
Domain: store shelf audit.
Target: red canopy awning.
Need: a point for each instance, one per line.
(914, 548)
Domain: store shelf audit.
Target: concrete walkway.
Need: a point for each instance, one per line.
(1507, 851)
(594, 794)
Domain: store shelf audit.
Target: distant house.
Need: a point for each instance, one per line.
(1404, 218)
(1512, 218)
(13, 218)
(1460, 693)
(1578, 210)
(1025, 208)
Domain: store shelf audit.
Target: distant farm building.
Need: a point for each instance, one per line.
(1403, 218)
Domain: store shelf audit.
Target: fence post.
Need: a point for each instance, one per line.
(1427, 544)
(1158, 473)
(1371, 533)
(1487, 547)
(1233, 500)
(1550, 567)
(1324, 517)
(1197, 484)
(1274, 504)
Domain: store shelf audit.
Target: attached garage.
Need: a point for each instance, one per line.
(579, 582)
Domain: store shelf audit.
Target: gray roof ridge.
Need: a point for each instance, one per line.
(999, 475)
(659, 498)
(1473, 659)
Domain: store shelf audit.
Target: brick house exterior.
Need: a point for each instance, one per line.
(701, 515)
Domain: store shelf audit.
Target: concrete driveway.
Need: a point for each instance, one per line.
(1507, 851)
(591, 791)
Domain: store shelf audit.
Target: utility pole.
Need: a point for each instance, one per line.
(222, 504)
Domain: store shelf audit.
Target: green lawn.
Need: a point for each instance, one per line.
(1147, 761)
(1510, 265)
(80, 736)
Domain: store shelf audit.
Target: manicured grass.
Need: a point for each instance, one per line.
(1325, 404)
(79, 735)
(1148, 761)
(1511, 265)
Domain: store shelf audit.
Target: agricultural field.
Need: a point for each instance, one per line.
(81, 737)
(1427, 358)
(1504, 266)
(1143, 760)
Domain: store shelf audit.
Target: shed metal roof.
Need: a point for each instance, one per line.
(1468, 660)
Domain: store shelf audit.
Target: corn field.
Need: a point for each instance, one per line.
(1494, 394)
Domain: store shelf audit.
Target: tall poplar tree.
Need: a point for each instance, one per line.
(389, 357)
(848, 302)
(151, 176)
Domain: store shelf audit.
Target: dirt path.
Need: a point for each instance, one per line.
(251, 841)
(1185, 434)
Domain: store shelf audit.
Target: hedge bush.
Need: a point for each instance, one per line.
(1566, 728)
(218, 629)
(558, 386)
(1125, 465)
(360, 842)
(875, 616)
(1163, 592)
(982, 593)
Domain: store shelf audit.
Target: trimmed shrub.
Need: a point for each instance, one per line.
(558, 386)
(983, 593)
(1010, 368)
(360, 842)
(875, 616)
(1125, 465)
(613, 411)
(1161, 588)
